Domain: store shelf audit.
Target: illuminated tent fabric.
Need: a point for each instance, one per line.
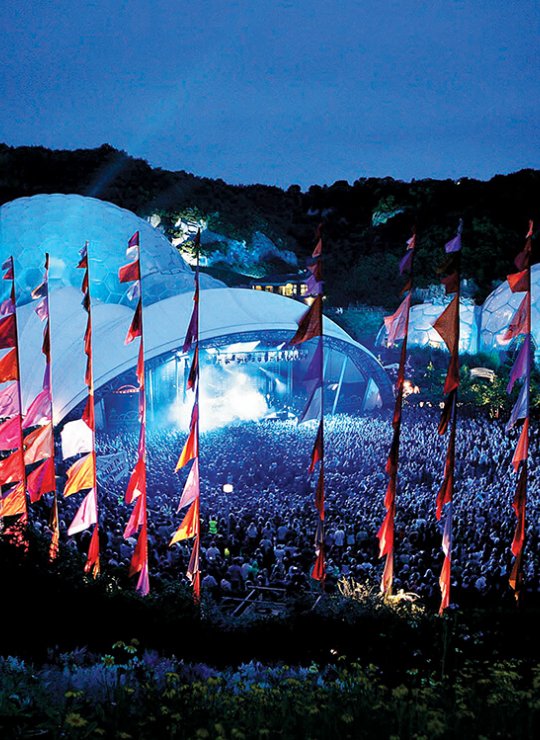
(228, 312)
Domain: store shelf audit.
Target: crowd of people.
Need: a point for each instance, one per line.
(262, 532)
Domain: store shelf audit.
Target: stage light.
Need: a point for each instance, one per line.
(227, 488)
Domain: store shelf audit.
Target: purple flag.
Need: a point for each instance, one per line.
(42, 309)
(6, 307)
(406, 262)
(9, 400)
(521, 408)
(454, 245)
(314, 286)
(520, 368)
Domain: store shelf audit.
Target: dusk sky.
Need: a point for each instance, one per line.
(298, 91)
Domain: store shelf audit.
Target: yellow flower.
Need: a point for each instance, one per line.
(75, 720)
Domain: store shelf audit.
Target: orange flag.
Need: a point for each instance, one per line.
(137, 482)
(139, 558)
(310, 325)
(14, 503)
(191, 447)
(8, 366)
(518, 281)
(190, 525)
(92, 561)
(54, 524)
(80, 475)
(522, 449)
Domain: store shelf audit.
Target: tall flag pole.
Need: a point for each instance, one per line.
(310, 326)
(12, 470)
(191, 524)
(79, 437)
(397, 326)
(520, 325)
(447, 325)
(136, 490)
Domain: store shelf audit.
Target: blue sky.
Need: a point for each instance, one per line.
(279, 92)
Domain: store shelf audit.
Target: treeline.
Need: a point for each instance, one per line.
(366, 223)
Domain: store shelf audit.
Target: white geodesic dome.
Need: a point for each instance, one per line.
(498, 310)
(61, 224)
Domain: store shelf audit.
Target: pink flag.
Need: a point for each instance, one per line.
(10, 434)
(39, 411)
(191, 488)
(86, 515)
(136, 520)
(39, 444)
(143, 582)
(42, 309)
(9, 400)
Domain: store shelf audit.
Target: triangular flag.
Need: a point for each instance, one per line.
(8, 333)
(8, 366)
(190, 524)
(86, 515)
(137, 482)
(317, 452)
(396, 324)
(191, 446)
(92, 561)
(136, 520)
(41, 480)
(192, 487)
(80, 475)
(447, 324)
(522, 449)
(310, 324)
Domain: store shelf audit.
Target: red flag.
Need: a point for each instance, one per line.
(135, 330)
(318, 573)
(136, 520)
(317, 453)
(88, 414)
(137, 482)
(140, 367)
(386, 534)
(140, 555)
(519, 323)
(8, 333)
(41, 480)
(7, 265)
(518, 281)
(192, 330)
(447, 325)
(130, 272)
(444, 583)
(92, 561)
(8, 367)
(451, 283)
(190, 524)
(452, 376)
(518, 505)
(310, 325)
(12, 468)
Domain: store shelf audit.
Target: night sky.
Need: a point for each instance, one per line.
(305, 91)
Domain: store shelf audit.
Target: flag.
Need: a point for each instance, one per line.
(454, 245)
(76, 438)
(7, 266)
(386, 534)
(130, 272)
(447, 325)
(8, 367)
(10, 434)
(54, 524)
(519, 323)
(314, 287)
(8, 332)
(39, 444)
(92, 561)
(313, 377)
(451, 282)
(135, 330)
(319, 493)
(140, 555)
(313, 406)
(86, 514)
(520, 368)
(190, 524)
(192, 486)
(136, 519)
(522, 449)
(192, 330)
(143, 582)
(519, 281)
(12, 468)
(521, 407)
(518, 505)
(14, 502)
(191, 446)
(39, 411)
(396, 324)
(444, 579)
(42, 309)
(9, 400)
(193, 566)
(388, 574)
(317, 452)
(41, 480)
(137, 482)
(80, 475)
(7, 307)
(310, 324)
(406, 262)
(318, 572)
(194, 370)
